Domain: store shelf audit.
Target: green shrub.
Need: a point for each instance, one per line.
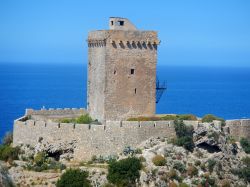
(183, 185)
(124, 172)
(197, 163)
(9, 153)
(182, 130)
(83, 119)
(165, 117)
(246, 161)
(211, 164)
(40, 158)
(245, 144)
(225, 183)
(245, 173)
(192, 171)
(8, 138)
(74, 178)
(143, 118)
(184, 135)
(186, 142)
(159, 160)
(186, 117)
(169, 117)
(172, 174)
(172, 184)
(179, 166)
(211, 117)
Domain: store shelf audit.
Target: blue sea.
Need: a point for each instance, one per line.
(223, 91)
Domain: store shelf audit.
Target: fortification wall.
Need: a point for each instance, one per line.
(91, 139)
(59, 113)
(239, 128)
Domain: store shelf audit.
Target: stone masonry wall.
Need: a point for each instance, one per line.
(122, 74)
(239, 128)
(59, 113)
(91, 139)
(130, 94)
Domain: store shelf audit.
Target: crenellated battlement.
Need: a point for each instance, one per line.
(92, 139)
(238, 128)
(51, 113)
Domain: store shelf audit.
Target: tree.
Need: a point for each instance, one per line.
(124, 172)
(74, 178)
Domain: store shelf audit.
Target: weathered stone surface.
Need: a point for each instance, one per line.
(121, 72)
(84, 140)
(225, 163)
(5, 179)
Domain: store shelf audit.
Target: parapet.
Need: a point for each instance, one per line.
(117, 23)
(46, 114)
(238, 128)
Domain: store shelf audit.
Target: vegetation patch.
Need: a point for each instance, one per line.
(245, 144)
(42, 162)
(7, 152)
(124, 172)
(83, 119)
(159, 160)
(165, 118)
(74, 178)
(211, 117)
(180, 167)
(184, 135)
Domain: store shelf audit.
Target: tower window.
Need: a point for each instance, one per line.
(132, 71)
(114, 72)
(121, 23)
(135, 90)
(112, 22)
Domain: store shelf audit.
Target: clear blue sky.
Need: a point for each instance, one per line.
(192, 32)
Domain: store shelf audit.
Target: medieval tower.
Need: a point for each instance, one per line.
(121, 71)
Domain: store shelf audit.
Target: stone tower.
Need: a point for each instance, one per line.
(121, 71)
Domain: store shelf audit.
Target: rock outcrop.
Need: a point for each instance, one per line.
(211, 163)
(5, 179)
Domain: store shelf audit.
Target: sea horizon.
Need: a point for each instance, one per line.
(198, 90)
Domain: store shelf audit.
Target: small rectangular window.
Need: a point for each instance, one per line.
(135, 90)
(112, 22)
(121, 23)
(132, 71)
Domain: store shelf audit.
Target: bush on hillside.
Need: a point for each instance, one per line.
(211, 117)
(186, 117)
(211, 164)
(74, 178)
(159, 160)
(40, 158)
(180, 167)
(245, 144)
(8, 153)
(124, 172)
(42, 162)
(243, 172)
(192, 171)
(184, 135)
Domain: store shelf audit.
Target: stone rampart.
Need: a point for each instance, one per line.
(59, 113)
(91, 140)
(239, 128)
